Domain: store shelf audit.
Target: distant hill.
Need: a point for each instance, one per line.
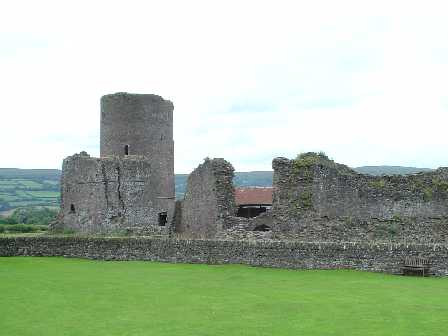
(38, 174)
(390, 170)
(180, 180)
(242, 179)
(23, 187)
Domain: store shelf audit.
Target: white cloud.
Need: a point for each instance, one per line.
(250, 80)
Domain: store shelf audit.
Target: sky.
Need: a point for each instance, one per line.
(363, 81)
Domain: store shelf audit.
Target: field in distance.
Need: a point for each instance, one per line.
(28, 187)
(56, 296)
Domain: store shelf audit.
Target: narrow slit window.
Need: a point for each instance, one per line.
(126, 150)
(72, 208)
(162, 218)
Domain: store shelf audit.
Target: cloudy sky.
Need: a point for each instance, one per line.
(364, 81)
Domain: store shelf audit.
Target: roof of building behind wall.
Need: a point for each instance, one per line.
(253, 195)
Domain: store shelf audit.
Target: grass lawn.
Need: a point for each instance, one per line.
(56, 296)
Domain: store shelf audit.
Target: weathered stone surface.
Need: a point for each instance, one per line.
(209, 200)
(246, 228)
(144, 122)
(375, 257)
(317, 199)
(131, 187)
(111, 194)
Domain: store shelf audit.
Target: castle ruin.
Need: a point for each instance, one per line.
(131, 187)
(316, 199)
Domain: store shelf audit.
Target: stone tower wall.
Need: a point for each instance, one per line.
(131, 187)
(143, 123)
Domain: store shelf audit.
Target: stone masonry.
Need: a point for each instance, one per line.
(208, 209)
(208, 201)
(318, 199)
(109, 195)
(376, 257)
(131, 187)
(318, 205)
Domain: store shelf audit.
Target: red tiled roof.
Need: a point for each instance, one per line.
(253, 195)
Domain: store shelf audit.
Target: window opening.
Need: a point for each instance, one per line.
(162, 218)
(126, 150)
(72, 208)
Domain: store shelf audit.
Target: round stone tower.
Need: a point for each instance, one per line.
(142, 125)
(136, 124)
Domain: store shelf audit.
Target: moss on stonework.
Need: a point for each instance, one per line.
(378, 184)
(389, 229)
(396, 218)
(430, 189)
(303, 164)
(300, 203)
(309, 159)
(440, 185)
(306, 200)
(428, 194)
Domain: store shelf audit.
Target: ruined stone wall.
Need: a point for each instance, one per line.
(375, 257)
(238, 228)
(111, 194)
(208, 201)
(317, 199)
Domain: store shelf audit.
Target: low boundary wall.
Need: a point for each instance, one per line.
(381, 257)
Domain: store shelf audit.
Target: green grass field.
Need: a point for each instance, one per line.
(55, 296)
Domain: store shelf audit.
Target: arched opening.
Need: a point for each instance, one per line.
(72, 208)
(262, 227)
(162, 218)
(126, 150)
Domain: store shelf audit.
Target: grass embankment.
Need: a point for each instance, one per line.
(55, 296)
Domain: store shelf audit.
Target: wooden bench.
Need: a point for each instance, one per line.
(416, 266)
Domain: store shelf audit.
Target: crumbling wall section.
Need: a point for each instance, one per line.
(209, 200)
(238, 228)
(318, 199)
(111, 194)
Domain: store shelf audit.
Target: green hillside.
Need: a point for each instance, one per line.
(26, 187)
(390, 170)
